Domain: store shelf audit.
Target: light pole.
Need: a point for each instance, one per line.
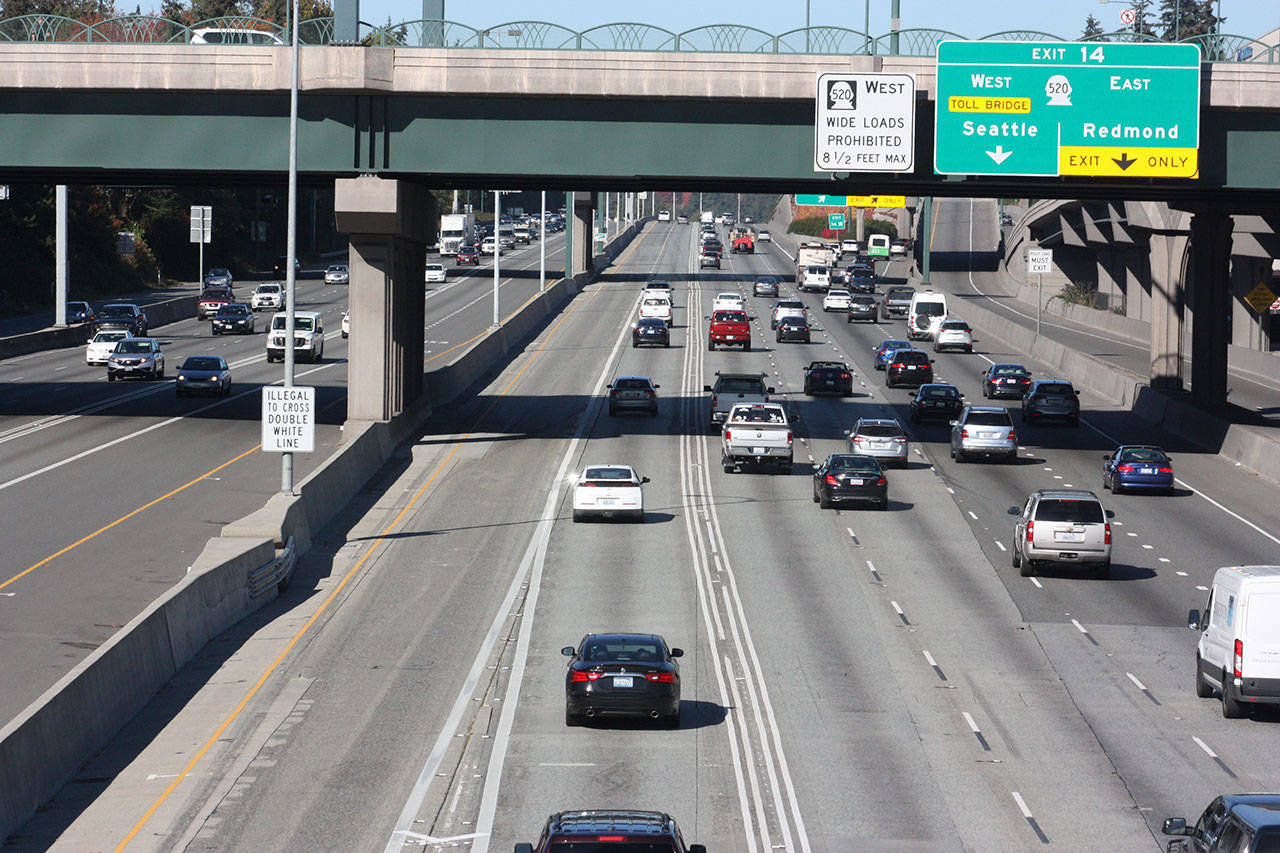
(291, 247)
(497, 249)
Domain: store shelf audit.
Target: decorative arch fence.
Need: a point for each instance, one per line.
(545, 35)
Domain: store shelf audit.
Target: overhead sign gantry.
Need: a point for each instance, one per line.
(1068, 108)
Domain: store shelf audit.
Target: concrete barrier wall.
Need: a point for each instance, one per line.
(41, 748)
(158, 314)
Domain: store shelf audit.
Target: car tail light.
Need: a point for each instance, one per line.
(585, 676)
(652, 393)
(1238, 664)
(882, 481)
(1031, 531)
(1012, 436)
(897, 365)
(588, 483)
(964, 433)
(614, 838)
(728, 436)
(1125, 469)
(1106, 540)
(661, 677)
(1165, 469)
(832, 481)
(714, 399)
(845, 376)
(788, 436)
(613, 392)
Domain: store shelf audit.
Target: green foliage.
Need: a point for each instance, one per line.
(816, 226)
(1142, 21)
(1080, 293)
(1180, 19)
(809, 226)
(1092, 28)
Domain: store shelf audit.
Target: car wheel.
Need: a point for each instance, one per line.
(1203, 688)
(815, 493)
(577, 516)
(711, 345)
(1231, 708)
(727, 465)
(746, 347)
(1015, 556)
(110, 378)
(215, 332)
(1116, 487)
(178, 392)
(635, 345)
(666, 344)
(969, 348)
(824, 501)
(226, 391)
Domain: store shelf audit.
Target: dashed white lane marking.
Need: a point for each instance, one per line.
(1164, 559)
(1036, 581)
(1082, 629)
(951, 490)
(973, 727)
(1207, 751)
(1000, 545)
(1131, 534)
(1202, 588)
(929, 658)
(1181, 574)
(973, 515)
(1148, 547)
(1022, 805)
(1136, 682)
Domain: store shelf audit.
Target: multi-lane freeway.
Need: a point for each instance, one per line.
(112, 489)
(852, 680)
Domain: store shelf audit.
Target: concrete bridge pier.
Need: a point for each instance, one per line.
(389, 223)
(1210, 300)
(579, 239)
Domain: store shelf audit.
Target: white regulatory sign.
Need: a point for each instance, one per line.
(288, 419)
(1039, 260)
(865, 123)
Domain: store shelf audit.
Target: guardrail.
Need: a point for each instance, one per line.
(545, 35)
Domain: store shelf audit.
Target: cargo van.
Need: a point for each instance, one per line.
(925, 314)
(1238, 654)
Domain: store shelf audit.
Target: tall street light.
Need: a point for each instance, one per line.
(291, 248)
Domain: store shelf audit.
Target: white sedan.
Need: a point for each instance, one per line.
(102, 344)
(436, 273)
(953, 334)
(836, 300)
(728, 302)
(346, 324)
(608, 491)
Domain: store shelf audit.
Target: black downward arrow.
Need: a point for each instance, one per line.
(1124, 162)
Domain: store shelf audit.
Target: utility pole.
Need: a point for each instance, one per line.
(60, 256)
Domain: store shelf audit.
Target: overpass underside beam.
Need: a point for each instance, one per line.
(388, 223)
(1211, 305)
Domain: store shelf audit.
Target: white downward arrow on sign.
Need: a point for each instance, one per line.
(999, 155)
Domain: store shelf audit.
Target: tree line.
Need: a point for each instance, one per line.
(1170, 20)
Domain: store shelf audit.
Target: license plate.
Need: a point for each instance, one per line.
(757, 451)
(911, 367)
(1067, 536)
(855, 481)
(608, 501)
(831, 382)
(1148, 470)
(622, 681)
(880, 445)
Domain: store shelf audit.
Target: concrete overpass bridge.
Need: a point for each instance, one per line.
(733, 113)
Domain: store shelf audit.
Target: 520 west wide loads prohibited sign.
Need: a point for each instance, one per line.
(864, 122)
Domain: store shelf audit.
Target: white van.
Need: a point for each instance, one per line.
(925, 315)
(308, 336)
(1239, 649)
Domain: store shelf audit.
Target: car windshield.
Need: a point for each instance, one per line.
(620, 649)
(268, 288)
(300, 324)
(854, 463)
(236, 310)
(109, 337)
(930, 309)
(740, 386)
(759, 416)
(116, 311)
(135, 346)
(632, 384)
(1068, 509)
(1141, 454)
(201, 362)
(880, 430)
(1055, 390)
(729, 317)
(989, 419)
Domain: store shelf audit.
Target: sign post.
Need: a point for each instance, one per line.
(201, 232)
(1068, 108)
(864, 122)
(1039, 261)
(288, 419)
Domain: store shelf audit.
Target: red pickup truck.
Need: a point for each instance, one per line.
(729, 327)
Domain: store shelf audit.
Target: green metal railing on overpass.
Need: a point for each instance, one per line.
(543, 35)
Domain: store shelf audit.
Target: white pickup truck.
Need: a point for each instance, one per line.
(756, 434)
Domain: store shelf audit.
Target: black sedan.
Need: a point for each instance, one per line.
(234, 318)
(79, 312)
(121, 315)
(862, 283)
(850, 477)
(650, 331)
(623, 674)
(204, 374)
(909, 367)
(863, 307)
(1005, 380)
(794, 329)
(940, 401)
(831, 377)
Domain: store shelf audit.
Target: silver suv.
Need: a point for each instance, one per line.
(984, 431)
(882, 438)
(1062, 526)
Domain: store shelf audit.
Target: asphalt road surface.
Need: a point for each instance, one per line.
(852, 680)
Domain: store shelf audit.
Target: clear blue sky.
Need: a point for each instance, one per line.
(1064, 18)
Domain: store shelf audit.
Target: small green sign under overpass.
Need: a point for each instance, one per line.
(835, 221)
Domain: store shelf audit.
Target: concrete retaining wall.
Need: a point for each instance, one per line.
(158, 314)
(41, 748)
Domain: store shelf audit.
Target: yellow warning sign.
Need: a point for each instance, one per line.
(876, 201)
(1125, 162)
(987, 104)
(1260, 298)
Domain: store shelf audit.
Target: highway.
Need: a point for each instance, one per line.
(852, 680)
(112, 489)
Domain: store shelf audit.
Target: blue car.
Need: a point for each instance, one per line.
(1137, 467)
(886, 348)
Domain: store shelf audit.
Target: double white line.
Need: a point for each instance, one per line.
(769, 808)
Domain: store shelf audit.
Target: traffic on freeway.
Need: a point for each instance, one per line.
(629, 592)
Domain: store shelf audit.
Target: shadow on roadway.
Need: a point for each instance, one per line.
(694, 714)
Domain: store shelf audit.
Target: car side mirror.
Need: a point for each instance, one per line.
(815, 466)
(952, 423)
(1013, 510)
(770, 389)
(644, 480)
(677, 653)
(567, 651)
(1111, 513)
(931, 361)
(1193, 622)
(1107, 458)
(1174, 825)
(706, 388)
(697, 848)
(656, 387)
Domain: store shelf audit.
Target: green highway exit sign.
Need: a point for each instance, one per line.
(821, 200)
(1068, 108)
(835, 221)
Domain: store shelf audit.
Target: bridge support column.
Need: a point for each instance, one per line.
(388, 223)
(1167, 312)
(1210, 300)
(578, 248)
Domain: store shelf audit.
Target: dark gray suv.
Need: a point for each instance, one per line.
(1051, 399)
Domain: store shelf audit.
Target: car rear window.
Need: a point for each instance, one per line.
(632, 384)
(1055, 390)
(930, 309)
(1065, 509)
(855, 463)
(620, 650)
(116, 311)
(108, 337)
(741, 386)
(759, 416)
(911, 357)
(864, 300)
(940, 393)
(730, 317)
(880, 430)
(1008, 370)
(607, 474)
(989, 419)
(956, 326)
(1142, 454)
(892, 345)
